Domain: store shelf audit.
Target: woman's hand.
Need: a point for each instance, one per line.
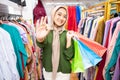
(42, 29)
(70, 34)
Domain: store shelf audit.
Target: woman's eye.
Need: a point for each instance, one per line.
(65, 16)
(59, 14)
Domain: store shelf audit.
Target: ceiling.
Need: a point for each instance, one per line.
(85, 3)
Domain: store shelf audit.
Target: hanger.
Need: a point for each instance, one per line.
(116, 15)
(119, 14)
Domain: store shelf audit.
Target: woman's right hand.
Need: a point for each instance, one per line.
(42, 29)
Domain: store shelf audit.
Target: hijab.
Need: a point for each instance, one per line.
(56, 42)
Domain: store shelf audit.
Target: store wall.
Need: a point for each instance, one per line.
(12, 7)
(48, 8)
(27, 11)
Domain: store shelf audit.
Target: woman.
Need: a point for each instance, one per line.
(57, 45)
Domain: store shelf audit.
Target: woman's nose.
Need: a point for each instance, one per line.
(62, 18)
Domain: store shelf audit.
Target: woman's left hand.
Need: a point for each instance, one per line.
(70, 34)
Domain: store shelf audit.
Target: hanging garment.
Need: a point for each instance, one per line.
(87, 27)
(89, 31)
(18, 47)
(112, 42)
(114, 26)
(83, 26)
(5, 71)
(94, 29)
(78, 14)
(114, 20)
(23, 34)
(72, 24)
(113, 58)
(100, 72)
(80, 25)
(38, 11)
(116, 75)
(86, 24)
(100, 30)
(8, 58)
(107, 27)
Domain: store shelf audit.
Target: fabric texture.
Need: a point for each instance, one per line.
(56, 41)
(100, 30)
(56, 50)
(78, 14)
(38, 11)
(8, 58)
(59, 76)
(18, 47)
(116, 75)
(113, 58)
(107, 28)
(72, 23)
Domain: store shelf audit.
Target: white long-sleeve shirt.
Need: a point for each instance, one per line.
(7, 57)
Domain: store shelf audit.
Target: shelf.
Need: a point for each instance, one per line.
(115, 2)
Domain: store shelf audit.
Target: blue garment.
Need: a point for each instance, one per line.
(78, 14)
(18, 47)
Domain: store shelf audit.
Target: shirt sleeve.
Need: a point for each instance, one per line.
(69, 52)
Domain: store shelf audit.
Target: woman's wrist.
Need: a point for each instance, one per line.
(68, 43)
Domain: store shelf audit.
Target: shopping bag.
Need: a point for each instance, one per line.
(77, 64)
(93, 57)
(96, 47)
(85, 59)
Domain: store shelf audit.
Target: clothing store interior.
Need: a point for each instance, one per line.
(60, 39)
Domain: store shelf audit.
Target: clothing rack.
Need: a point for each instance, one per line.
(8, 11)
(7, 16)
(109, 7)
(5, 13)
(98, 9)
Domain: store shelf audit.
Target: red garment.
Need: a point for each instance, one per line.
(38, 11)
(72, 23)
(99, 75)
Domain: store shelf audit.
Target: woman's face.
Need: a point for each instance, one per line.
(60, 17)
